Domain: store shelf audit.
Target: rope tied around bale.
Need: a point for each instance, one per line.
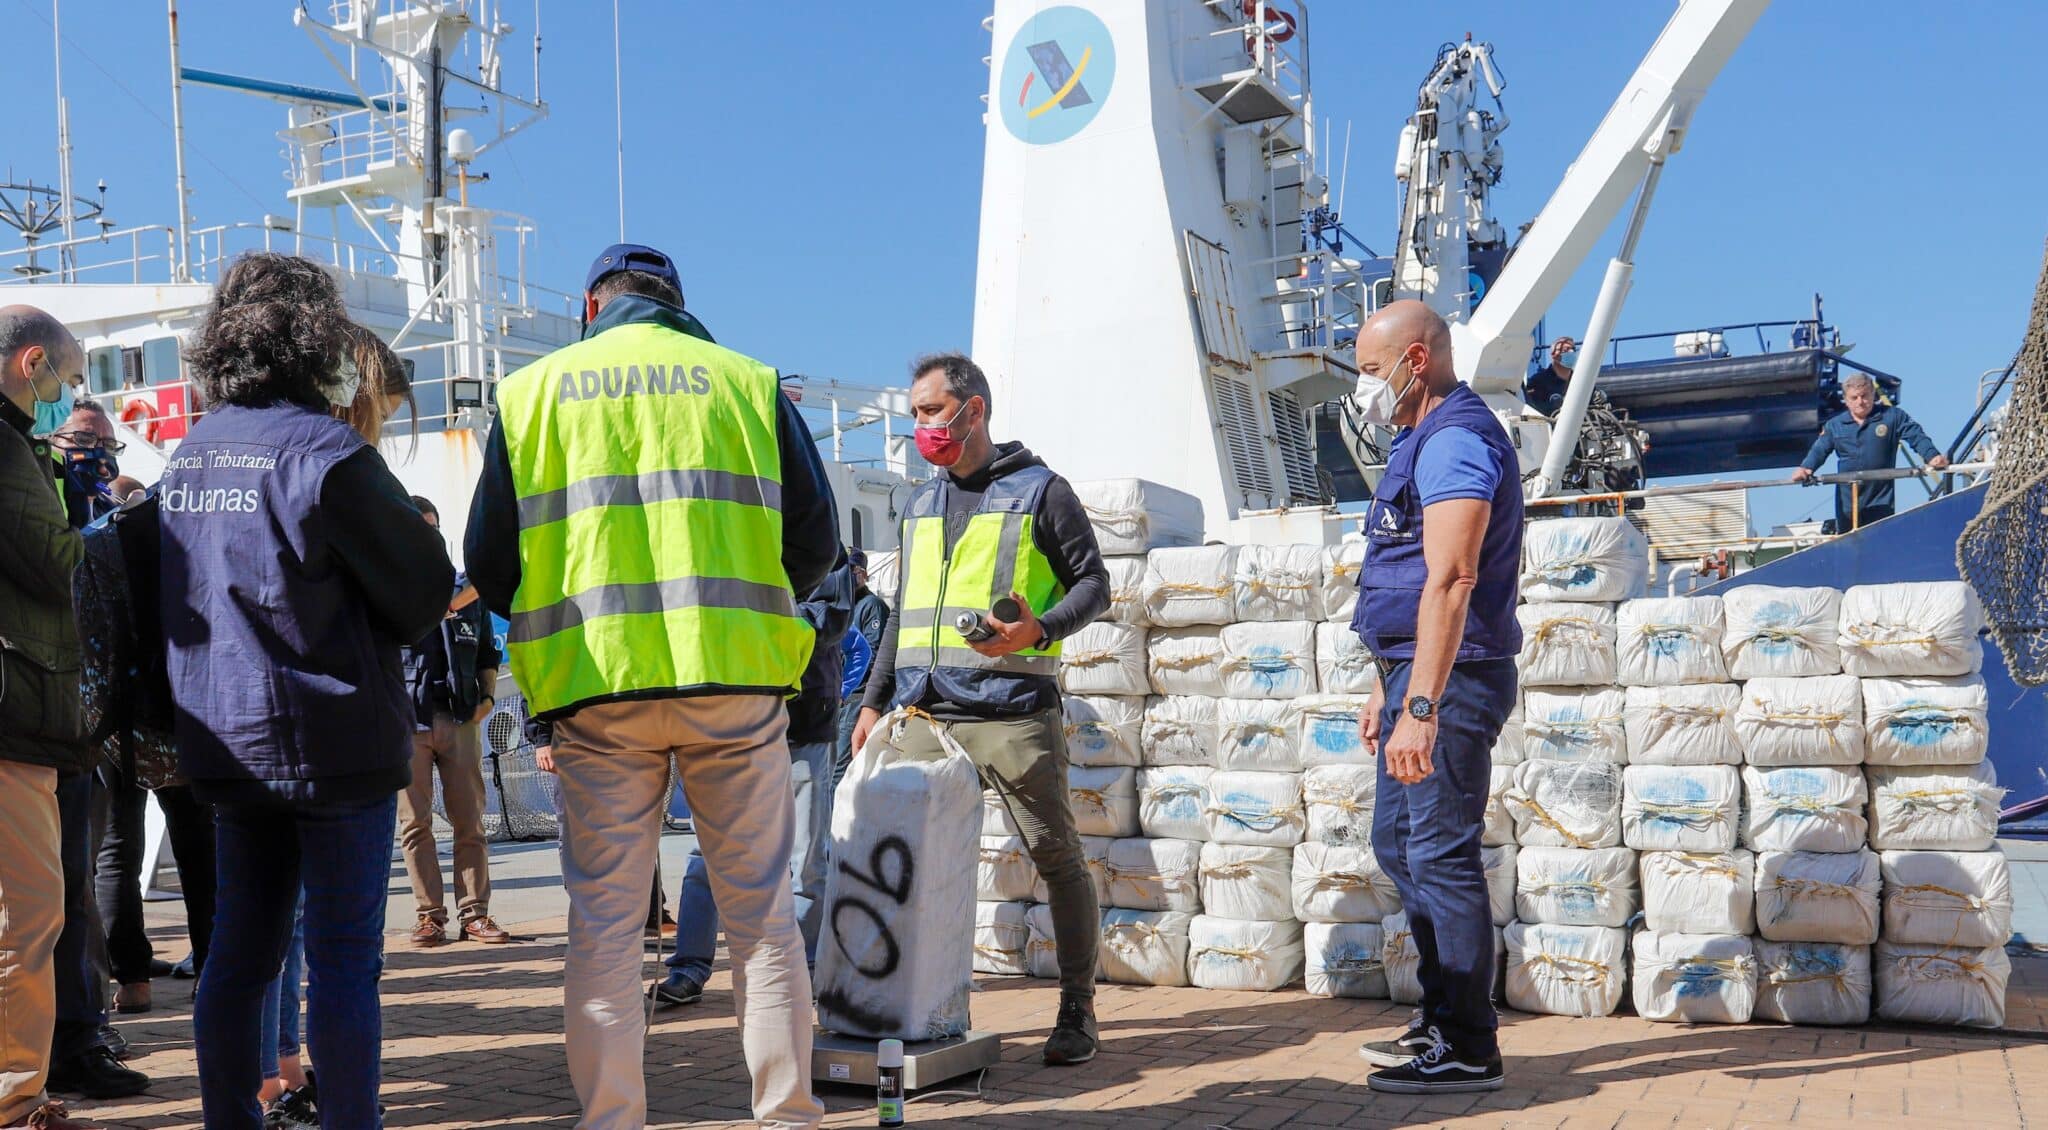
(1256, 819)
(1240, 953)
(1556, 624)
(1774, 633)
(1575, 970)
(1183, 662)
(1093, 798)
(1950, 801)
(1816, 888)
(1940, 967)
(1917, 713)
(998, 953)
(1344, 881)
(1674, 712)
(1190, 588)
(1353, 965)
(1170, 792)
(1230, 872)
(1266, 664)
(1695, 816)
(1700, 967)
(998, 856)
(1543, 816)
(1088, 658)
(1870, 634)
(1558, 568)
(1906, 895)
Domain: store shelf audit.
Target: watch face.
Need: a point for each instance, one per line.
(1420, 707)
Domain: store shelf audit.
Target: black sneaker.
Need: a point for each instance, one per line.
(1441, 1069)
(96, 1074)
(294, 1108)
(1402, 1048)
(676, 989)
(1073, 1038)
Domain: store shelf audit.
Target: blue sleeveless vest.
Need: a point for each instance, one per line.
(1390, 583)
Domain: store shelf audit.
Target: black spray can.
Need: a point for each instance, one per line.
(889, 1083)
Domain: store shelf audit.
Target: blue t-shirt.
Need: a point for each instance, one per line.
(1455, 463)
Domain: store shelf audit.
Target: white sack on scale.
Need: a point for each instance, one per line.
(1179, 730)
(1344, 960)
(1000, 938)
(1566, 643)
(1669, 641)
(1691, 725)
(1261, 809)
(1191, 586)
(1337, 801)
(1921, 984)
(1173, 802)
(1279, 582)
(1936, 807)
(1103, 730)
(1680, 807)
(1131, 516)
(1105, 658)
(1780, 632)
(1811, 896)
(1694, 978)
(1575, 886)
(1334, 883)
(1589, 559)
(1250, 884)
(1565, 970)
(1185, 661)
(1574, 724)
(1500, 823)
(1927, 720)
(1003, 871)
(1343, 665)
(1804, 808)
(1127, 591)
(1566, 804)
(1922, 628)
(1501, 869)
(1155, 875)
(1105, 801)
(1328, 730)
(1341, 565)
(1145, 947)
(1094, 856)
(1954, 898)
(1269, 660)
(1258, 734)
(1816, 720)
(1687, 892)
(1812, 982)
(1224, 953)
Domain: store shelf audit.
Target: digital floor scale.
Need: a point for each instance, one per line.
(851, 1059)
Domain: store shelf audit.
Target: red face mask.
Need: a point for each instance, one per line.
(936, 443)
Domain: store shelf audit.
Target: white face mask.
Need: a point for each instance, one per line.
(348, 380)
(1376, 398)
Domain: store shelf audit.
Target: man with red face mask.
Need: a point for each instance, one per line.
(993, 525)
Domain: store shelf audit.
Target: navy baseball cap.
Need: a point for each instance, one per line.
(632, 257)
(857, 557)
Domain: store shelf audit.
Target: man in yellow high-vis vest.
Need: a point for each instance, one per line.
(650, 502)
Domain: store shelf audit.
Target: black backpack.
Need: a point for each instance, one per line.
(125, 681)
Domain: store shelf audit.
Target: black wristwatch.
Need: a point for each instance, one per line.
(1421, 708)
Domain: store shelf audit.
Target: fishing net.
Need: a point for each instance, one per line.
(2004, 549)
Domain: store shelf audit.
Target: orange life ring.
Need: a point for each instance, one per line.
(1279, 35)
(137, 411)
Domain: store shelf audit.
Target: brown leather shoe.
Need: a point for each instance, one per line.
(428, 934)
(51, 1116)
(132, 997)
(482, 929)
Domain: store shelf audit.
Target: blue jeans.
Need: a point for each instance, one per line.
(1426, 836)
(280, 1035)
(81, 982)
(341, 854)
(810, 770)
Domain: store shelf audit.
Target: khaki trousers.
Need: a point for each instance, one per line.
(31, 916)
(456, 749)
(732, 754)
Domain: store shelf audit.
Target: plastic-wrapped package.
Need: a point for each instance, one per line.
(1566, 804)
(1103, 730)
(1812, 982)
(1225, 953)
(1145, 947)
(1591, 559)
(1500, 823)
(1279, 582)
(995, 816)
(1105, 801)
(1694, 978)
(1814, 896)
(1190, 586)
(1565, 970)
(1501, 871)
(1003, 871)
(1816, 720)
(1131, 516)
(1804, 808)
(1328, 730)
(1507, 748)
(1173, 802)
(1251, 884)
(1344, 960)
(1127, 591)
(1105, 658)
(1574, 724)
(1179, 730)
(1094, 856)
(1186, 661)
(1923, 984)
(1261, 809)
(1934, 807)
(1566, 643)
(1336, 883)
(1575, 886)
(1921, 628)
(1269, 660)
(1258, 734)
(1784, 633)
(1343, 665)
(1000, 938)
(1688, 892)
(1680, 807)
(1337, 800)
(1925, 721)
(1952, 898)
(1689, 725)
(1669, 641)
(1146, 874)
(1341, 565)
(1041, 947)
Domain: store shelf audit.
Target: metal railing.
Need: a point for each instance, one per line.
(1275, 35)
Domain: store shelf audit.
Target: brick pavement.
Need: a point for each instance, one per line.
(473, 1039)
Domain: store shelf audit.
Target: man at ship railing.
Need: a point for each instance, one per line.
(1545, 390)
(1866, 438)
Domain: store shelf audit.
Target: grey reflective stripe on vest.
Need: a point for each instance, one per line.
(1019, 664)
(657, 596)
(1005, 579)
(651, 486)
(919, 618)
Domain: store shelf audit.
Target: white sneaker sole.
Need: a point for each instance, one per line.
(1446, 1087)
(1382, 1059)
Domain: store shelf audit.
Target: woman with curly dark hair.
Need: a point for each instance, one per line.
(294, 567)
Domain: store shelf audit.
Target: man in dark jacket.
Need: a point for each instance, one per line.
(41, 727)
(1866, 437)
(870, 619)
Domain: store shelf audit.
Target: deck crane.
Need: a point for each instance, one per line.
(1448, 158)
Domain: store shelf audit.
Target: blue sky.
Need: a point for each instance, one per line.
(815, 166)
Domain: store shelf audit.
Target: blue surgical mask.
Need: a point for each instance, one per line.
(50, 417)
(1569, 359)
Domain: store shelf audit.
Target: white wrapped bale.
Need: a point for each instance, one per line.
(995, 816)
(1947, 898)
(1279, 582)
(1804, 808)
(1680, 807)
(1224, 953)
(1400, 961)
(1691, 725)
(1499, 827)
(1343, 665)
(1669, 641)
(1566, 643)
(1926, 721)
(1501, 871)
(1127, 591)
(1131, 516)
(1003, 871)
(1104, 801)
(1258, 809)
(1185, 662)
(1105, 658)
(1328, 730)
(1179, 730)
(1923, 984)
(1341, 565)
(1337, 801)
(1041, 947)
(1782, 633)
(1191, 586)
(1344, 959)
(1812, 896)
(1699, 892)
(1095, 857)
(1173, 802)
(1104, 730)
(1336, 883)
(1149, 874)
(1934, 807)
(1589, 559)
(1574, 724)
(1274, 660)
(1507, 748)
(1922, 628)
(1566, 804)
(1565, 970)
(1000, 938)
(1145, 947)
(1575, 887)
(1249, 884)
(1258, 734)
(1812, 983)
(1816, 720)
(1694, 978)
